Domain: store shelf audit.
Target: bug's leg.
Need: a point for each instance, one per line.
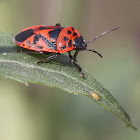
(58, 24)
(75, 55)
(29, 51)
(79, 69)
(70, 56)
(49, 58)
(72, 60)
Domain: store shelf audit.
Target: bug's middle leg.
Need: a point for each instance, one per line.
(49, 58)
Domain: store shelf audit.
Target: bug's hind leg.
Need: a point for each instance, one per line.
(58, 24)
(48, 58)
(29, 51)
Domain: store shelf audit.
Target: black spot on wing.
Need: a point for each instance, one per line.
(69, 44)
(54, 33)
(50, 45)
(48, 27)
(24, 35)
(28, 43)
(42, 28)
(69, 32)
(63, 47)
(74, 34)
(72, 28)
(36, 39)
(40, 47)
(66, 39)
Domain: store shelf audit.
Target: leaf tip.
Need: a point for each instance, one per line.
(133, 127)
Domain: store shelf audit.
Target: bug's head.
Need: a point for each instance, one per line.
(79, 43)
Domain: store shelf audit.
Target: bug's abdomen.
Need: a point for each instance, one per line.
(39, 38)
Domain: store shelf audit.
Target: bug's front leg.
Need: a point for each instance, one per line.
(75, 55)
(72, 60)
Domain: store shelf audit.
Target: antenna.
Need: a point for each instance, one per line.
(102, 34)
(95, 52)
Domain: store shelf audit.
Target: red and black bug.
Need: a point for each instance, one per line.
(56, 40)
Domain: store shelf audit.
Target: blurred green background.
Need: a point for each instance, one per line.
(37, 112)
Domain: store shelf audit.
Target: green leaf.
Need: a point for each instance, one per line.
(58, 73)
